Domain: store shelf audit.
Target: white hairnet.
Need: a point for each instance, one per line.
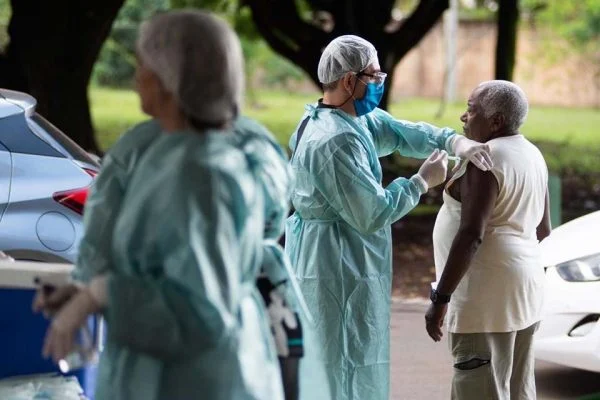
(348, 53)
(198, 59)
(507, 98)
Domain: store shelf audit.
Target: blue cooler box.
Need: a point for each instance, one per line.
(22, 332)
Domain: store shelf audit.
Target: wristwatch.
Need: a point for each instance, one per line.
(439, 298)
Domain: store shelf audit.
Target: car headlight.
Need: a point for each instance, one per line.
(585, 269)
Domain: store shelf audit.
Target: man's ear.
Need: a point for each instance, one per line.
(497, 122)
(348, 82)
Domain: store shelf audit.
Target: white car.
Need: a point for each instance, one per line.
(570, 331)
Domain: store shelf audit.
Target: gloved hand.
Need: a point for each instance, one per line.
(477, 153)
(60, 338)
(434, 169)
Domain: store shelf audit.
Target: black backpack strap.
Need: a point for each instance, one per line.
(301, 129)
(304, 122)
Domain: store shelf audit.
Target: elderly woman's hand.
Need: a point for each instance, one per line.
(477, 153)
(61, 335)
(50, 300)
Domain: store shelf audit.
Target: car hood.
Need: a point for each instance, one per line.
(575, 239)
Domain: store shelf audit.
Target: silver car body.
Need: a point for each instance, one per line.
(39, 168)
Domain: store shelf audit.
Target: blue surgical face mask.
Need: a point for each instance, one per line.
(371, 99)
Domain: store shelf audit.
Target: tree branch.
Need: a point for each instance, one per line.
(280, 25)
(410, 33)
(283, 16)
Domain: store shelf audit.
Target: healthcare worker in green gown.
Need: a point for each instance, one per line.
(104, 203)
(184, 317)
(290, 320)
(339, 237)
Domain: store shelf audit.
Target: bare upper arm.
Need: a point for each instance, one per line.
(545, 227)
(478, 192)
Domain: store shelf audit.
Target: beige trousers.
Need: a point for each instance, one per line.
(493, 366)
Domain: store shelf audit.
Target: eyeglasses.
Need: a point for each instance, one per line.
(377, 77)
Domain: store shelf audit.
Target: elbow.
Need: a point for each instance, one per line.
(471, 237)
(371, 223)
(543, 233)
(383, 220)
(369, 227)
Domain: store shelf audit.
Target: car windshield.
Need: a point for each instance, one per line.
(42, 127)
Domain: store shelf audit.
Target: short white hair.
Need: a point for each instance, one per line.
(347, 53)
(198, 58)
(506, 98)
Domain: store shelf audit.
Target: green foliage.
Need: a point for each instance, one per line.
(257, 54)
(215, 5)
(227, 9)
(116, 62)
(244, 26)
(5, 14)
(280, 71)
(577, 21)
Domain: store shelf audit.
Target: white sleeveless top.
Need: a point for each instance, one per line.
(503, 289)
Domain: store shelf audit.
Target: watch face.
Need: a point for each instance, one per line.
(436, 298)
(433, 296)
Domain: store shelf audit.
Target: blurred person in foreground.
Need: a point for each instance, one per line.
(490, 278)
(183, 313)
(286, 306)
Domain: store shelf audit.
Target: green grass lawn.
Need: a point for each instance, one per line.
(113, 112)
(571, 136)
(573, 125)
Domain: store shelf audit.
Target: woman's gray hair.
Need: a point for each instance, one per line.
(198, 59)
(506, 98)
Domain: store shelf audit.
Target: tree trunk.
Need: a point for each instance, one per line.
(506, 44)
(53, 48)
(407, 37)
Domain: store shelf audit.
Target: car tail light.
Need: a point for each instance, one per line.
(75, 198)
(91, 172)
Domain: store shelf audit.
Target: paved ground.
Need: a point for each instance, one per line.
(421, 369)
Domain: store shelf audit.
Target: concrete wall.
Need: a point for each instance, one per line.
(570, 80)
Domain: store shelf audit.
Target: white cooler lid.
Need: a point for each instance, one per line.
(21, 274)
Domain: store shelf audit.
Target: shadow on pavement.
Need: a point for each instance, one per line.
(558, 382)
